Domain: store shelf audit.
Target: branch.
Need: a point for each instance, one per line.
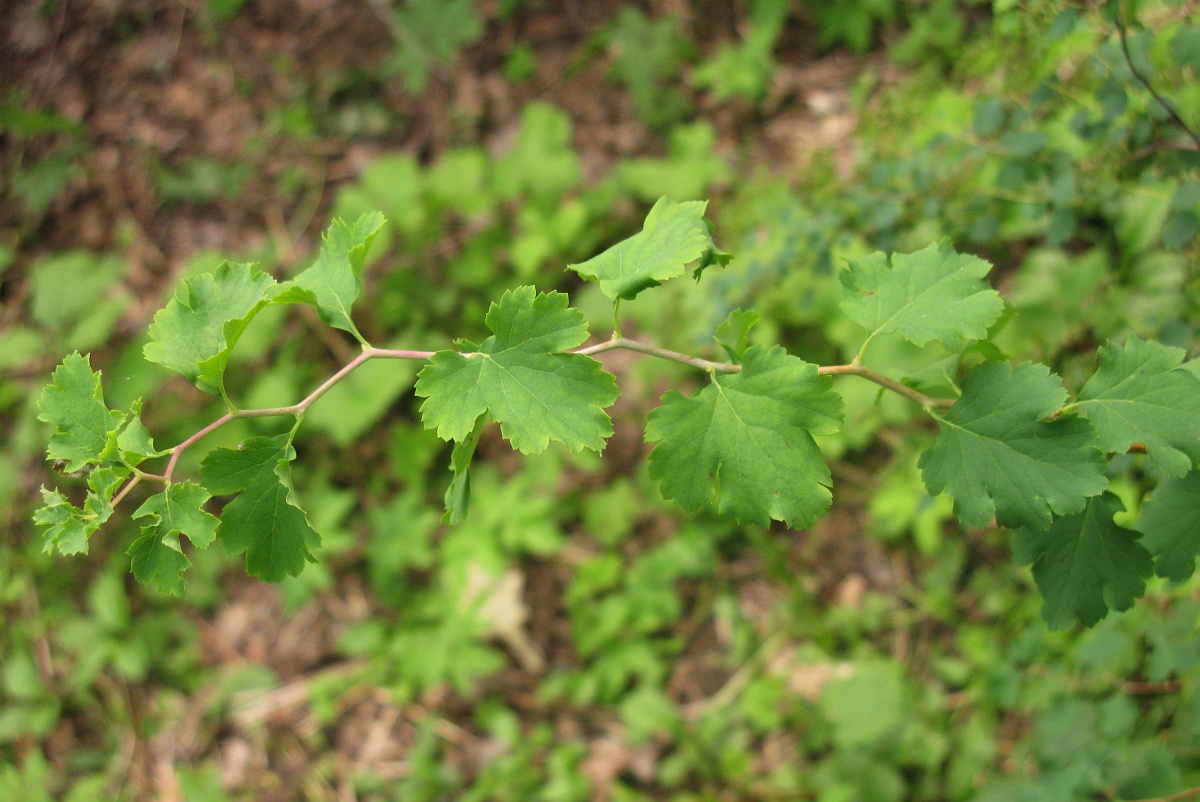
(623, 343)
(724, 367)
(926, 401)
(1149, 87)
(627, 344)
(295, 409)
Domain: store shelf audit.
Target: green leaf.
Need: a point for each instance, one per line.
(333, 283)
(734, 332)
(195, 333)
(84, 426)
(1138, 394)
(746, 441)
(135, 441)
(157, 556)
(68, 527)
(998, 455)
(458, 494)
(520, 378)
(933, 294)
(673, 236)
(1185, 47)
(67, 531)
(712, 257)
(865, 705)
(264, 520)
(1086, 565)
(1170, 518)
(541, 164)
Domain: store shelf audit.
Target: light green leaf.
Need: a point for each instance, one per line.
(195, 333)
(734, 332)
(542, 164)
(135, 441)
(520, 378)
(933, 294)
(688, 170)
(264, 520)
(673, 236)
(333, 283)
(865, 705)
(68, 527)
(157, 556)
(1086, 565)
(746, 441)
(67, 530)
(84, 426)
(1137, 394)
(1170, 518)
(998, 455)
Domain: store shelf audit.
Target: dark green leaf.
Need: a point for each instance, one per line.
(1086, 565)
(746, 441)
(998, 454)
(264, 520)
(1180, 228)
(1170, 518)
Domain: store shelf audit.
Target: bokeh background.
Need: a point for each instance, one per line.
(577, 638)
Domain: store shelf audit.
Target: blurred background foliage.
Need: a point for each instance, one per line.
(576, 638)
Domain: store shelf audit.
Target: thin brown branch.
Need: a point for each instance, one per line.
(293, 409)
(928, 402)
(852, 369)
(1144, 81)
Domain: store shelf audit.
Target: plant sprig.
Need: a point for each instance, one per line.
(1010, 448)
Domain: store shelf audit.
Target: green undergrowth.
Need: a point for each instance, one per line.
(575, 631)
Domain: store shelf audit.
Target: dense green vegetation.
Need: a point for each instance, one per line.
(573, 635)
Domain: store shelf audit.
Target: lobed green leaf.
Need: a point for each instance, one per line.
(1086, 565)
(998, 454)
(195, 333)
(85, 428)
(68, 527)
(264, 520)
(746, 441)
(673, 236)
(1139, 394)
(1170, 519)
(157, 556)
(933, 294)
(522, 380)
(333, 283)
